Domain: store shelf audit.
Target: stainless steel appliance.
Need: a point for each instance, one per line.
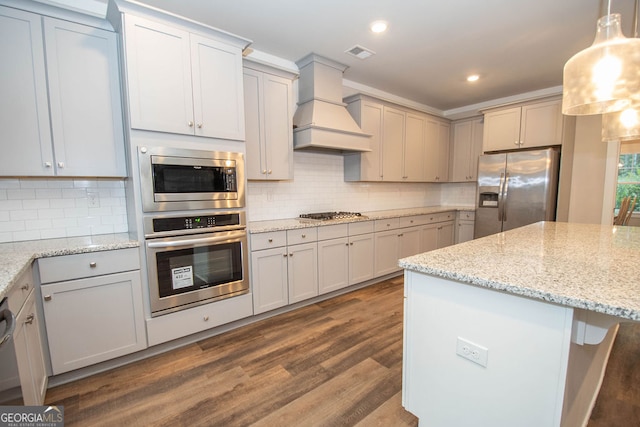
(516, 189)
(10, 388)
(180, 179)
(195, 259)
(325, 216)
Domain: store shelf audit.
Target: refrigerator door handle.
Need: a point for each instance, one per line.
(500, 197)
(504, 197)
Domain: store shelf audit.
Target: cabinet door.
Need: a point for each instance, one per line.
(255, 161)
(361, 256)
(431, 150)
(461, 151)
(25, 136)
(465, 231)
(94, 319)
(393, 144)
(429, 238)
(502, 130)
(409, 241)
(386, 249)
(414, 148)
(372, 121)
(159, 76)
(333, 265)
(445, 234)
(269, 279)
(476, 148)
(218, 106)
(443, 152)
(541, 124)
(84, 97)
(303, 271)
(30, 355)
(278, 130)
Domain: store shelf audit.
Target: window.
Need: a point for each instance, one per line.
(628, 178)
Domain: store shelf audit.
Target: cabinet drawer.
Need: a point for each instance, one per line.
(272, 239)
(302, 235)
(20, 291)
(387, 224)
(332, 231)
(410, 221)
(440, 217)
(467, 215)
(69, 267)
(362, 227)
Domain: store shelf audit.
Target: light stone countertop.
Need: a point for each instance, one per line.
(16, 257)
(293, 223)
(592, 267)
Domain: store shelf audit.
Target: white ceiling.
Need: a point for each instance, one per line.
(516, 46)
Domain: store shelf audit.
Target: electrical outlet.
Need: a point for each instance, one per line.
(92, 199)
(474, 352)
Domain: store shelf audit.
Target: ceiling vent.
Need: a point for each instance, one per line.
(360, 52)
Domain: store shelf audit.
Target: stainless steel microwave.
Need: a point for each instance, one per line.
(181, 179)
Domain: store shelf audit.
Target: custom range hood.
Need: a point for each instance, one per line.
(322, 121)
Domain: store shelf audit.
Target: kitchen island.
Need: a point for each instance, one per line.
(516, 328)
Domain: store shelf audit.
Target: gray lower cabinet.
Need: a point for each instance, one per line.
(93, 308)
(32, 373)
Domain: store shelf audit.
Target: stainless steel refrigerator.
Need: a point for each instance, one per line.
(516, 189)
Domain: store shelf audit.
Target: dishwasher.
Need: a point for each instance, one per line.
(10, 389)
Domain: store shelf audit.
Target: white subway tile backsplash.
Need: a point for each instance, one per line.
(48, 208)
(319, 186)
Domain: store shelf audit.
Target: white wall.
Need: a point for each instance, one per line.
(32, 209)
(593, 176)
(318, 186)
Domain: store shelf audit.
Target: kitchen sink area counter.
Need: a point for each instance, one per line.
(528, 317)
(16, 258)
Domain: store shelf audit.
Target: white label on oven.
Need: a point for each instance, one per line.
(182, 277)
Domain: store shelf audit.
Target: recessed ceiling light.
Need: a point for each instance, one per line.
(473, 78)
(378, 26)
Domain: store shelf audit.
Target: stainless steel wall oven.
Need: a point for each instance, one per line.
(180, 179)
(195, 259)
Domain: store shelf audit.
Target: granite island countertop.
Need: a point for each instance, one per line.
(592, 267)
(294, 223)
(16, 257)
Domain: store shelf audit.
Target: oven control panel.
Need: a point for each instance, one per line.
(178, 223)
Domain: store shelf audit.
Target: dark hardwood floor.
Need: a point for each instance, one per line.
(334, 363)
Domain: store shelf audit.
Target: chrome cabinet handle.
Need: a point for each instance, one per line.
(270, 240)
(47, 164)
(61, 165)
(264, 171)
(190, 123)
(47, 297)
(25, 287)
(290, 254)
(205, 318)
(93, 264)
(29, 320)
(304, 236)
(285, 255)
(199, 125)
(270, 171)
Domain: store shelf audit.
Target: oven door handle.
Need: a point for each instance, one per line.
(8, 317)
(193, 242)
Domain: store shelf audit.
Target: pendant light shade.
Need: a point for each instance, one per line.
(622, 126)
(605, 77)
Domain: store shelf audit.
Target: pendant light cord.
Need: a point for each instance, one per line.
(635, 20)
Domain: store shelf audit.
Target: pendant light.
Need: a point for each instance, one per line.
(605, 77)
(624, 125)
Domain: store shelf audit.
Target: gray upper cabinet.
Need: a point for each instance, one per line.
(75, 83)
(268, 102)
(182, 82)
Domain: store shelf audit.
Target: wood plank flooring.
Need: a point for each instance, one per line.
(334, 363)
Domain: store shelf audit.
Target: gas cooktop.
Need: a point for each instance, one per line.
(325, 216)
